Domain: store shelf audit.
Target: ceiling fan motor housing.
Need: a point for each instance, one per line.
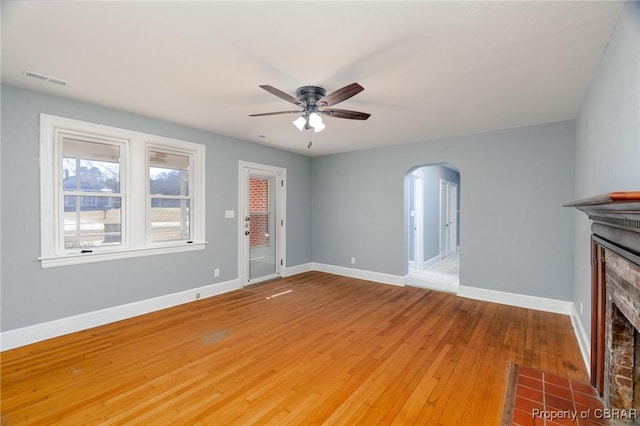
(309, 95)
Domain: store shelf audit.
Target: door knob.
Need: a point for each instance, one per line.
(246, 232)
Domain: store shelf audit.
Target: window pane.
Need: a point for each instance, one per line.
(170, 219)
(92, 221)
(90, 166)
(168, 173)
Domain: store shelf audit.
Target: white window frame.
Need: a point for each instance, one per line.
(134, 188)
(59, 134)
(177, 151)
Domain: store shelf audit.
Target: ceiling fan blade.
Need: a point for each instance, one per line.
(340, 95)
(275, 113)
(345, 113)
(282, 95)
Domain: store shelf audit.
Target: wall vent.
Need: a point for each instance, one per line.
(44, 77)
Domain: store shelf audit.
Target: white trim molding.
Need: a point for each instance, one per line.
(584, 341)
(540, 304)
(379, 277)
(430, 262)
(297, 269)
(519, 300)
(35, 333)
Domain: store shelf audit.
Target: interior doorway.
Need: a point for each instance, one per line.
(262, 224)
(417, 222)
(432, 198)
(448, 218)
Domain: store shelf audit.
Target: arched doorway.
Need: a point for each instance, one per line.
(433, 199)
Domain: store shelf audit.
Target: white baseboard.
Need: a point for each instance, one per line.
(519, 300)
(425, 264)
(428, 263)
(538, 303)
(512, 299)
(36, 333)
(584, 341)
(362, 274)
(298, 269)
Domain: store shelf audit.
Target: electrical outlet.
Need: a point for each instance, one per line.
(353, 260)
(216, 272)
(197, 296)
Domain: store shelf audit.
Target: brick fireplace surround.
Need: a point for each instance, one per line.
(622, 358)
(615, 325)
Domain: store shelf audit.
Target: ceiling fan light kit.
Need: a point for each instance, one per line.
(314, 101)
(315, 121)
(300, 123)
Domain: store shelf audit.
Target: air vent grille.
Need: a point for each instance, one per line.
(44, 77)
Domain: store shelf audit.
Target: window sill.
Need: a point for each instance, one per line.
(81, 258)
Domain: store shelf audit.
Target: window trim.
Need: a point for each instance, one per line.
(122, 144)
(134, 190)
(190, 196)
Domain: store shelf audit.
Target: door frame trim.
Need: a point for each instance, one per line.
(281, 203)
(450, 207)
(453, 203)
(418, 219)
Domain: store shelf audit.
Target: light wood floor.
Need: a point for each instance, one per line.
(334, 350)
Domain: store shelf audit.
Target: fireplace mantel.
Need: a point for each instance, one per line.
(615, 216)
(615, 296)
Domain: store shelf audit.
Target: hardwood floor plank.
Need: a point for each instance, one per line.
(326, 350)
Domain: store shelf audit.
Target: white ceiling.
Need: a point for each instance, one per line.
(430, 69)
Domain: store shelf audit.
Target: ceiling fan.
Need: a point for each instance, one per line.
(314, 101)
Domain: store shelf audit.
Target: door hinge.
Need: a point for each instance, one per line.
(281, 262)
(281, 222)
(282, 183)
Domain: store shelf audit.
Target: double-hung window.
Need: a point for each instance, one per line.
(109, 193)
(90, 199)
(170, 197)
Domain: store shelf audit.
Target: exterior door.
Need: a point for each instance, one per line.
(262, 224)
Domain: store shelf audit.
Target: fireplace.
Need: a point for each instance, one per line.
(622, 358)
(615, 314)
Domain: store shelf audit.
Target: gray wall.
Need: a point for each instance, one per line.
(32, 295)
(515, 234)
(607, 152)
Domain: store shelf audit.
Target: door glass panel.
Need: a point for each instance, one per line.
(262, 226)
